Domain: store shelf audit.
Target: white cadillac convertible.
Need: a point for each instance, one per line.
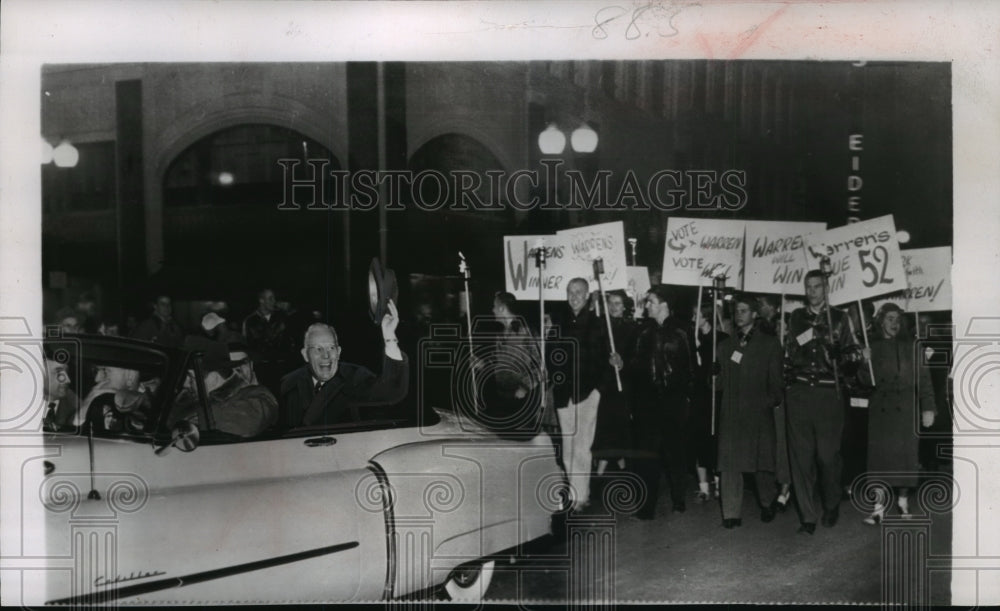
(155, 494)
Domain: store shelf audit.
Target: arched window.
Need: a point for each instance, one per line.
(239, 165)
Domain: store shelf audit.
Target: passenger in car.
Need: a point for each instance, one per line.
(118, 402)
(325, 390)
(240, 404)
(61, 402)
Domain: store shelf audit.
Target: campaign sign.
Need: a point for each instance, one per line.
(699, 249)
(864, 257)
(638, 282)
(521, 273)
(928, 273)
(774, 258)
(605, 240)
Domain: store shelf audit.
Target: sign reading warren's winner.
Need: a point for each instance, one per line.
(521, 272)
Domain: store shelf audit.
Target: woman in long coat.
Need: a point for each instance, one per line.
(752, 385)
(612, 437)
(892, 421)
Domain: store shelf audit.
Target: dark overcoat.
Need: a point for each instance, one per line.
(893, 411)
(750, 391)
(352, 387)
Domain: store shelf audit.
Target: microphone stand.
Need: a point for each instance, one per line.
(540, 264)
(598, 272)
(463, 269)
(718, 287)
(827, 269)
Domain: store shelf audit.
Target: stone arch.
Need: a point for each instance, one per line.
(227, 113)
(442, 127)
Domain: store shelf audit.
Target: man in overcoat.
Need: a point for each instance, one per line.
(752, 387)
(326, 390)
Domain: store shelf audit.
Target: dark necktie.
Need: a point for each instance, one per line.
(50, 416)
(317, 387)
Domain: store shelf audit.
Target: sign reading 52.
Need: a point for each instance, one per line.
(875, 266)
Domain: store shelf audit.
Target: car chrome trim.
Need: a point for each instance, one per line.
(316, 442)
(103, 596)
(390, 530)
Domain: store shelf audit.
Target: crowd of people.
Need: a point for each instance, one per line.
(271, 371)
(720, 393)
(734, 388)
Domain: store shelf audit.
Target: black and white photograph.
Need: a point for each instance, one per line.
(503, 303)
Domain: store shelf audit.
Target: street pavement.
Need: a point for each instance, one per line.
(608, 556)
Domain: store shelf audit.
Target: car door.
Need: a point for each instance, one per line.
(229, 521)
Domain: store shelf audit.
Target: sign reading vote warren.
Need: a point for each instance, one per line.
(864, 258)
(928, 273)
(775, 260)
(519, 258)
(606, 241)
(699, 249)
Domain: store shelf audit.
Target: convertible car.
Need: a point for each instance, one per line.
(161, 492)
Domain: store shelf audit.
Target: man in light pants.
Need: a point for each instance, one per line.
(578, 390)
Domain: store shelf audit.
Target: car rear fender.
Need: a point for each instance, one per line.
(457, 500)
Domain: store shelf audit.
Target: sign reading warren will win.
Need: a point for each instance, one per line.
(697, 250)
(774, 261)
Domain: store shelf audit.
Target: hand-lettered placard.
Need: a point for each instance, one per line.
(605, 240)
(864, 257)
(521, 272)
(774, 262)
(696, 250)
(928, 273)
(638, 283)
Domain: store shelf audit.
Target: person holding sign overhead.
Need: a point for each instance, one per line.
(750, 377)
(704, 448)
(816, 338)
(613, 437)
(576, 400)
(892, 444)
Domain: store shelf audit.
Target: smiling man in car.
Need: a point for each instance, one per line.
(326, 390)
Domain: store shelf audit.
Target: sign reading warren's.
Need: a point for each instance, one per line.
(607, 241)
(519, 256)
(774, 260)
(699, 249)
(864, 258)
(928, 273)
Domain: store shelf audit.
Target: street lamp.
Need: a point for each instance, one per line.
(552, 141)
(65, 155)
(584, 139)
(46, 152)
